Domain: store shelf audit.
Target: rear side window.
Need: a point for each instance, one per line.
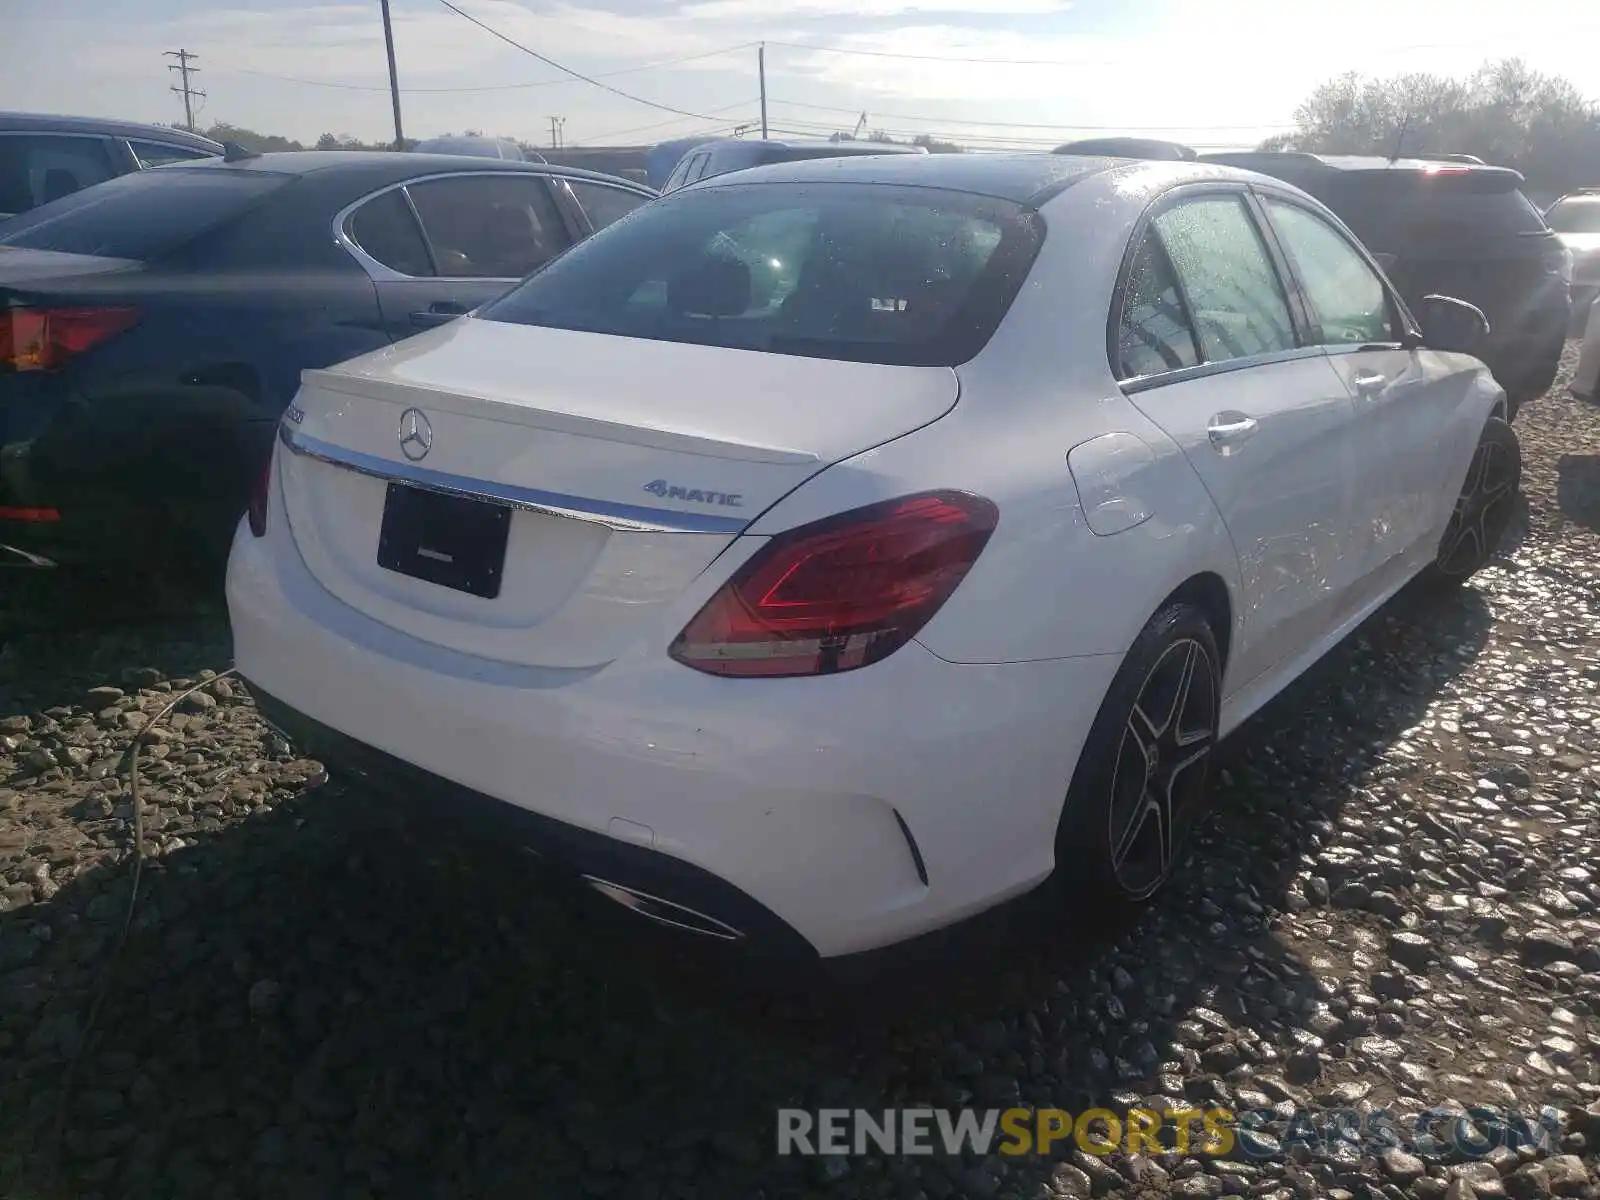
(1154, 334)
(1410, 210)
(913, 276)
(38, 168)
(159, 154)
(142, 215)
(386, 230)
(686, 172)
(1575, 216)
(1235, 295)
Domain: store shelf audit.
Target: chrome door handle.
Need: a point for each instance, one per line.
(1227, 429)
(1370, 385)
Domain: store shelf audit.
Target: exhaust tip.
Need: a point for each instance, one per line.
(665, 912)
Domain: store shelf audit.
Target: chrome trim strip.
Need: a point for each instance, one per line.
(632, 517)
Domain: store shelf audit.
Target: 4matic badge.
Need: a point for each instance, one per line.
(671, 491)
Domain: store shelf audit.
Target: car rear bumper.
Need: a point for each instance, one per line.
(666, 889)
(837, 814)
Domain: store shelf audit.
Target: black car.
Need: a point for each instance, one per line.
(1453, 227)
(1130, 147)
(153, 328)
(43, 158)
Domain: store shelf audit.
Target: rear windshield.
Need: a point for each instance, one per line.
(142, 215)
(1575, 216)
(868, 273)
(1389, 210)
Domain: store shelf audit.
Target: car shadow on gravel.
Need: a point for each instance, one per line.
(330, 998)
(1578, 489)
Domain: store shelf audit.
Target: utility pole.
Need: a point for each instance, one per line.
(394, 79)
(557, 132)
(761, 69)
(188, 93)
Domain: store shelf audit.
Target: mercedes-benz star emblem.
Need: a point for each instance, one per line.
(416, 435)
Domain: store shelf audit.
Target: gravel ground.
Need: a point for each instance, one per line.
(1396, 907)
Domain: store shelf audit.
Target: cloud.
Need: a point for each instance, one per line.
(1144, 67)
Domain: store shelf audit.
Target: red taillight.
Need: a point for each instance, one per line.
(840, 593)
(43, 339)
(259, 494)
(38, 515)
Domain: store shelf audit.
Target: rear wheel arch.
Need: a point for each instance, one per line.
(1208, 592)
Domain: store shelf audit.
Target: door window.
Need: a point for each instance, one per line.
(604, 205)
(1236, 299)
(159, 154)
(1154, 333)
(1347, 298)
(386, 230)
(38, 168)
(489, 226)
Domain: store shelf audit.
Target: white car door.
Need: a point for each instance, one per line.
(1408, 401)
(1212, 352)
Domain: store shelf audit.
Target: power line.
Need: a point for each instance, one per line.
(661, 124)
(706, 132)
(185, 70)
(492, 87)
(1030, 124)
(550, 62)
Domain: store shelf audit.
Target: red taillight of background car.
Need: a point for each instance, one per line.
(842, 592)
(259, 494)
(44, 339)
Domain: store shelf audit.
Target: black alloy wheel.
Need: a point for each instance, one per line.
(1485, 507)
(1142, 779)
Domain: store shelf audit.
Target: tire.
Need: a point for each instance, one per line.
(1103, 853)
(1483, 510)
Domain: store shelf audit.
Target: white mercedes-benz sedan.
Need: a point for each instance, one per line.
(833, 550)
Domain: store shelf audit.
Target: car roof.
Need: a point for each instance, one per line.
(488, 147)
(385, 166)
(1272, 162)
(842, 149)
(19, 122)
(1023, 178)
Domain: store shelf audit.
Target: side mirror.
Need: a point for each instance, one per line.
(1453, 325)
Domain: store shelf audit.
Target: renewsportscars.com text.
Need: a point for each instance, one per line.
(1472, 1133)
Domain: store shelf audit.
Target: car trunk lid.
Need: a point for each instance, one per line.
(22, 270)
(619, 467)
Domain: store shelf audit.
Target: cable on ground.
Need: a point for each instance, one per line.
(108, 973)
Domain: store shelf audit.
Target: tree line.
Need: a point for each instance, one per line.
(1505, 113)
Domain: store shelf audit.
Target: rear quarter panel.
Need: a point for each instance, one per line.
(184, 404)
(1046, 586)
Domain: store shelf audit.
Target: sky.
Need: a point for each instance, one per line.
(1217, 74)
